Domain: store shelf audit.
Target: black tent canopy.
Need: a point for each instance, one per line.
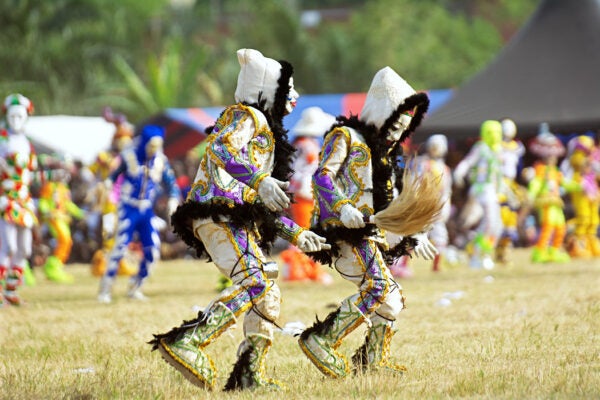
(548, 72)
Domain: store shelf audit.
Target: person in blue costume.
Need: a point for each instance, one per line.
(145, 170)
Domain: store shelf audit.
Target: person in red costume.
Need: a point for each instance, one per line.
(18, 169)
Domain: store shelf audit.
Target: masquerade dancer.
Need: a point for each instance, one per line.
(233, 212)
(585, 196)
(18, 170)
(355, 182)
(482, 165)
(513, 196)
(544, 192)
(144, 168)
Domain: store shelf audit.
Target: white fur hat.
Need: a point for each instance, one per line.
(388, 90)
(258, 76)
(17, 99)
(437, 140)
(313, 122)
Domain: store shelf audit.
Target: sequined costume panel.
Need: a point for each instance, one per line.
(239, 155)
(16, 205)
(344, 176)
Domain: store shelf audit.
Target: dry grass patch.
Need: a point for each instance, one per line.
(528, 331)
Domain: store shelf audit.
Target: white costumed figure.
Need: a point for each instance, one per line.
(233, 212)
(433, 163)
(18, 164)
(512, 195)
(358, 175)
(483, 167)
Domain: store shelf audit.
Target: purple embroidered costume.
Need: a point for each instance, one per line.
(357, 176)
(232, 213)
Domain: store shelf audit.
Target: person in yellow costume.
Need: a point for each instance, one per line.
(544, 192)
(585, 198)
(513, 196)
(106, 195)
(56, 209)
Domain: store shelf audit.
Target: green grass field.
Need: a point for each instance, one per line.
(520, 332)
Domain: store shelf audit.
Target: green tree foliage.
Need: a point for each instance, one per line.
(76, 56)
(174, 77)
(59, 51)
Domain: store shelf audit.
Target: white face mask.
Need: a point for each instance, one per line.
(16, 117)
(292, 98)
(154, 146)
(399, 127)
(437, 150)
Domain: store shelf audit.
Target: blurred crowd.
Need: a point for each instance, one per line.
(517, 221)
(503, 193)
(91, 191)
(500, 194)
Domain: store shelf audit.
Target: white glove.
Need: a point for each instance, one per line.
(272, 193)
(158, 223)
(309, 241)
(172, 205)
(424, 249)
(351, 217)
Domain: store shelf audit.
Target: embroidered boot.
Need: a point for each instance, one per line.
(182, 347)
(28, 276)
(540, 255)
(558, 255)
(248, 371)
(320, 341)
(3, 271)
(579, 247)
(134, 291)
(105, 289)
(375, 352)
(55, 271)
(14, 279)
(502, 250)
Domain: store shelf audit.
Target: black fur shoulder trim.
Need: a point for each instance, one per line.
(401, 249)
(283, 89)
(245, 215)
(421, 102)
(335, 234)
